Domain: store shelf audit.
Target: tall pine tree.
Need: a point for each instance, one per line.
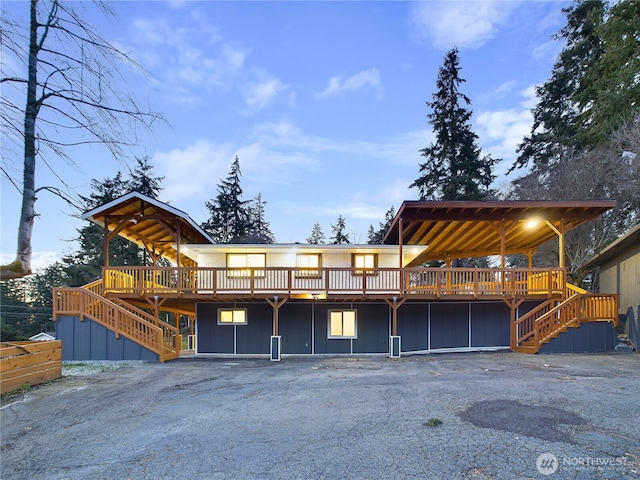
(375, 237)
(142, 179)
(454, 168)
(317, 235)
(259, 230)
(558, 120)
(338, 236)
(229, 218)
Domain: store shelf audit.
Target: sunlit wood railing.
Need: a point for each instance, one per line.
(435, 282)
(546, 321)
(137, 326)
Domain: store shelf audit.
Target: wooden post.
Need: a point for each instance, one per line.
(560, 232)
(513, 304)
(106, 241)
(395, 304)
(401, 263)
(276, 303)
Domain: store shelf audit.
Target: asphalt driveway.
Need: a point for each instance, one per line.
(447, 416)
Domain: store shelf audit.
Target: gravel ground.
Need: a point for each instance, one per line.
(449, 416)
(75, 368)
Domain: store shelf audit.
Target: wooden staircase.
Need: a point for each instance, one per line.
(553, 317)
(118, 316)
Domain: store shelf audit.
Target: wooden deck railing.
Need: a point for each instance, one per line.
(137, 326)
(435, 282)
(546, 320)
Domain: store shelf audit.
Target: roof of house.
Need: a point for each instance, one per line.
(459, 229)
(632, 237)
(148, 222)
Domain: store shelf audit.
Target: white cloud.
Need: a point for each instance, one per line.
(501, 131)
(339, 85)
(459, 23)
(194, 171)
(195, 55)
(263, 92)
(530, 98)
(506, 87)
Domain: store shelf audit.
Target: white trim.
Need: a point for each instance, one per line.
(355, 324)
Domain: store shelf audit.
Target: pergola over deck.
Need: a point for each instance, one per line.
(157, 227)
(461, 229)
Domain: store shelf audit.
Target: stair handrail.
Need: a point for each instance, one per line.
(151, 337)
(530, 319)
(170, 334)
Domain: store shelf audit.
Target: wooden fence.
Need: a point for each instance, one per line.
(29, 363)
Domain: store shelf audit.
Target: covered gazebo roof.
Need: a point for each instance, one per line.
(459, 229)
(149, 223)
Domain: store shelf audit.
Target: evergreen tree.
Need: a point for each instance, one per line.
(142, 179)
(229, 219)
(557, 130)
(375, 237)
(317, 235)
(611, 92)
(259, 230)
(339, 237)
(86, 264)
(454, 169)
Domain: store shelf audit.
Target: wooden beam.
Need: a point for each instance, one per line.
(276, 303)
(394, 304)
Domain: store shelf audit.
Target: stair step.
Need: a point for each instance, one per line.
(525, 349)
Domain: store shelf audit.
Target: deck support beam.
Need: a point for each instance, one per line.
(394, 303)
(276, 303)
(513, 304)
(560, 232)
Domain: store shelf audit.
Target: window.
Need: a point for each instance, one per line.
(308, 265)
(342, 324)
(232, 316)
(240, 264)
(364, 263)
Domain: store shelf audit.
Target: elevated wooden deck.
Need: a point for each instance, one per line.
(332, 283)
(114, 301)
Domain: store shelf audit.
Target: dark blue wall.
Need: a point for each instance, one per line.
(592, 337)
(303, 327)
(88, 340)
(448, 325)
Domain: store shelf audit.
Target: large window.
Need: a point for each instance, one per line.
(364, 263)
(308, 265)
(232, 316)
(342, 324)
(240, 264)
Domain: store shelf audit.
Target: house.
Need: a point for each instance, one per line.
(274, 300)
(619, 265)
(41, 337)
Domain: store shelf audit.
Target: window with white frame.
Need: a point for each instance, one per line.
(342, 324)
(242, 264)
(364, 263)
(232, 316)
(308, 265)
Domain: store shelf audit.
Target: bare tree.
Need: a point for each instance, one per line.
(609, 172)
(74, 94)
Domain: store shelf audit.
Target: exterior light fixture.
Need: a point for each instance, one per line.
(533, 223)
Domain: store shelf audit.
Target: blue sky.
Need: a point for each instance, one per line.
(323, 103)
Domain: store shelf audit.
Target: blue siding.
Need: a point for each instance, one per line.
(88, 340)
(592, 337)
